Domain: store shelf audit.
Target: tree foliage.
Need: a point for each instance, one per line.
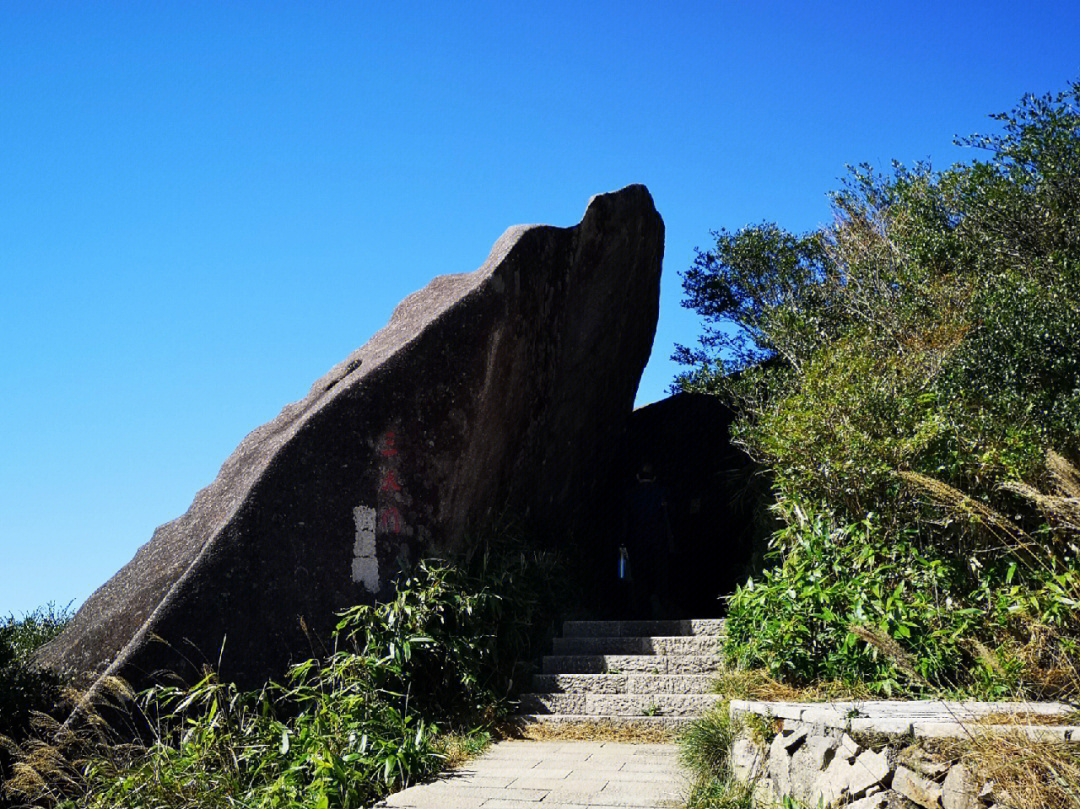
(932, 329)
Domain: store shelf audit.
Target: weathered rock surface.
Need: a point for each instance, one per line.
(507, 387)
(960, 790)
(818, 763)
(921, 791)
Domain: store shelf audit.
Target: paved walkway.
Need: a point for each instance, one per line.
(556, 775)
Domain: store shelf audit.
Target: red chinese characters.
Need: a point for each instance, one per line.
(390, 520)
(389, 448)
(389, 481)
(391, 493)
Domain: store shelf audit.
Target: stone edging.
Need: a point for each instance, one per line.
(924, 719)
(815, 759)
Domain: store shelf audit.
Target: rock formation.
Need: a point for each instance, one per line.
(504, 388)
(685, 440)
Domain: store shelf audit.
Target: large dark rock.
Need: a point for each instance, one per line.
(501, 389)
(711, 490)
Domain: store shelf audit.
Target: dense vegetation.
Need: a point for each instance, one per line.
(909, 378)
(410, 683)
(24, 691)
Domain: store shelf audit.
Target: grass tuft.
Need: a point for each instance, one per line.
(705, 749)
(739, 683)
(1026, 773)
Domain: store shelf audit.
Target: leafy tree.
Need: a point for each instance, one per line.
(930, 332)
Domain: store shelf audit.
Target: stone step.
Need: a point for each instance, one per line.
(616, 629)
(622, 683)
(576, 721)
(636, 664)
(619, 704)
(655, 644)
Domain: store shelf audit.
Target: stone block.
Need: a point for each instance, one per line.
(747, 760)
(889, 725)
(848, 747)
(917, 788)
(791, 739)
(869, 769)
(960, 790)
(807, 763)
(779, 763)
(917, 759)
(887, 799)
(832, 784)
(669, 684)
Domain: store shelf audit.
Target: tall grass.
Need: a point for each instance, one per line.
(410, 686)
(705, 749)
(24, 690)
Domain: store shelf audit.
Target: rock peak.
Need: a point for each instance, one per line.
(504, 388)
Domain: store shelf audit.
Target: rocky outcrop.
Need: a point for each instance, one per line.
(504, 388)
(685, 439)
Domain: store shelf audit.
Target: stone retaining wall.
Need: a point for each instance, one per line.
(820, 758)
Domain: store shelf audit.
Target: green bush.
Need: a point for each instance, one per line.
(898, 373)
(434, 663)
(797, 619)
(453, 635)
(23, 689)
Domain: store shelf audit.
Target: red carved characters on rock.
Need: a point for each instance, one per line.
(391, 493)
(390, 520)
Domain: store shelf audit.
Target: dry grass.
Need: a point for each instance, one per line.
(50, 764)
(757, 684)
(891, 649)
(1028, 719)
(1062, 506)
(1025, 773)
(459, 749)
(1002, 533)
(598, 731)
(1051, 669)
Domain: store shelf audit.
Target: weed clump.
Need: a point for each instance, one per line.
(24, 690)
(705, 749)
(411, 686)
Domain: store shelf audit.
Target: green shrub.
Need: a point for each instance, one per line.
(899, 373)
(23, 689)
(410, 682)
(23, 636)
(797, 619)
(453, 635)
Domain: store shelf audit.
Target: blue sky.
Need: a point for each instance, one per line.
(204, 206)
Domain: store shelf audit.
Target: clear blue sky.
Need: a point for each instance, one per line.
(205, 205)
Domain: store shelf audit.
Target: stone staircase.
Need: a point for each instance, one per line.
(627, 673)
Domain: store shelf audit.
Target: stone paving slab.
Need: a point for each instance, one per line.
(610, 705)
(921, 718)
(646, 723)
(621, 644)
(623, 683)
(556, 775)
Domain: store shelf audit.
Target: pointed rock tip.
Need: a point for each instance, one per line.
(629, 192)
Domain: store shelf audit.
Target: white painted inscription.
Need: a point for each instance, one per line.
(365, 562)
